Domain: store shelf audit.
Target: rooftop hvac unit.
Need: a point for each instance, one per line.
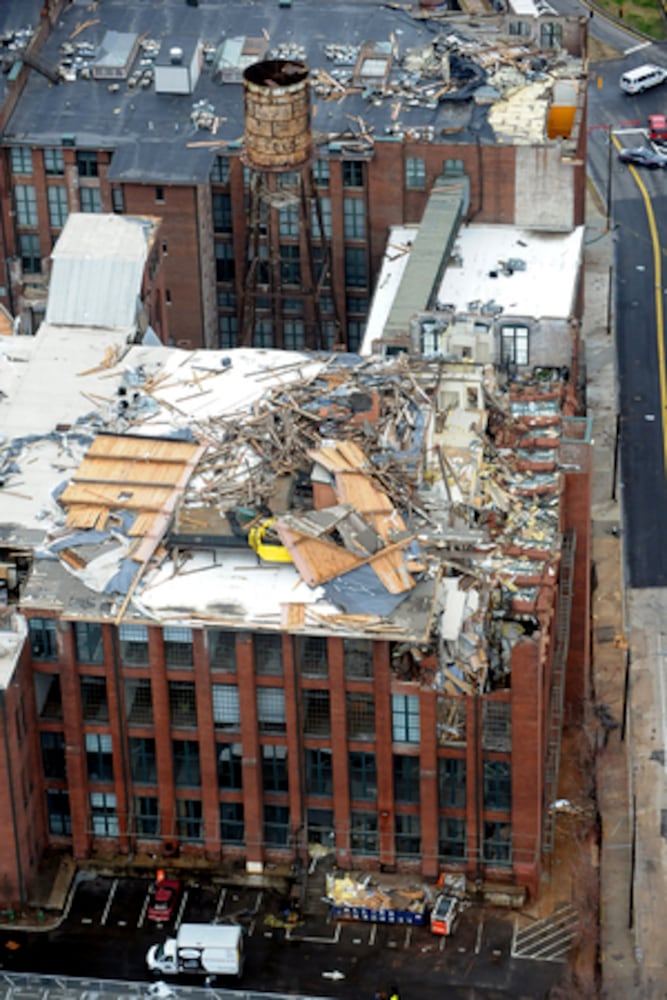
(176, 55)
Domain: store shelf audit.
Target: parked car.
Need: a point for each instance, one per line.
(164, 896)
(643, 156)
(657, 128)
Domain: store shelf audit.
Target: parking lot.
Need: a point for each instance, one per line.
(105, 933)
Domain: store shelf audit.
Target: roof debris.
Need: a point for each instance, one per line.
(416, 501)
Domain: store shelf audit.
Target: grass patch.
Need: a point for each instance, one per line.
(643, 15)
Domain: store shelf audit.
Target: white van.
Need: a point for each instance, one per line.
(642, 77)
(199, 949)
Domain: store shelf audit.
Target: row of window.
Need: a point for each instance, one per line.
(54, 163)
(317, 770)
(312, 650)
(277, 832)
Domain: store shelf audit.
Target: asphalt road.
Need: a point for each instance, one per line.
(106, 935)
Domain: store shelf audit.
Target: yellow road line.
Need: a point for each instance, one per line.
(657, 278)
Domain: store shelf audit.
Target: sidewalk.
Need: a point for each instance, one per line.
(617, 957)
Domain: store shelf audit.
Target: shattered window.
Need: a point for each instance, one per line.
(48, 696)
(189, 823)
(316, 717)
(42, 633)
(408, 835)
(98, 757)
(514, 345)
(451, 838)
(274, 768)
(226, 711)
(353, 173)
(187, 772)
(138, 702)
(358, 655)
(182, 704)
(521, 28)
(364, 838)
(268, 652)
(451, 720)
(415, 173)
(146, 816)
(94, 705)
(177, 646)
(103, 814)
(230, 760)
(30, 253)
(222, 650)
(88, 637)
(497, 726)
(360, 716)
(497, 785)
(406, 778)
(313, 656)
(276, 826)
(452, 782)
(319, 772)
(53, 755)
(321, 827)
(232, 829)
(497, 846)
(271, 710)
(133, 645)
(143, 760)
(405, 718)
(57, 807)
(363, 775)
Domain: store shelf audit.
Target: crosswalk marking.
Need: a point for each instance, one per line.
(636, 48)
(549, 939)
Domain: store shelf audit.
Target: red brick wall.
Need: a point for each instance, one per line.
(527, 761)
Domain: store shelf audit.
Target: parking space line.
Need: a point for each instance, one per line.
(221, 903)
(443, 943)
(112, 893)
(373, 934)
(181, 910)
(408, 936)
(478, 939)
(144, 908)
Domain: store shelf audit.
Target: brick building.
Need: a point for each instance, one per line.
(281, 602)
(140, 111)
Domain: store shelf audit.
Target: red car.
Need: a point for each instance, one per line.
(164, 897)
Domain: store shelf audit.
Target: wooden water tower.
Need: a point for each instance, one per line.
(288, 255)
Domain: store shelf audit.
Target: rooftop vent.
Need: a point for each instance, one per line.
(175, 55)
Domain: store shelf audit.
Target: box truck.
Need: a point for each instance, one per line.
(199, 949)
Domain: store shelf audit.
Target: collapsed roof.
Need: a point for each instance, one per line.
(418, 502)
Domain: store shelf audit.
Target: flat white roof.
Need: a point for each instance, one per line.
(546, 288)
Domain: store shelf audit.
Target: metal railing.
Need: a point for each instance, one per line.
(27, 986)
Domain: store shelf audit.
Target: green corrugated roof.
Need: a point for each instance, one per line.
(429, 254)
